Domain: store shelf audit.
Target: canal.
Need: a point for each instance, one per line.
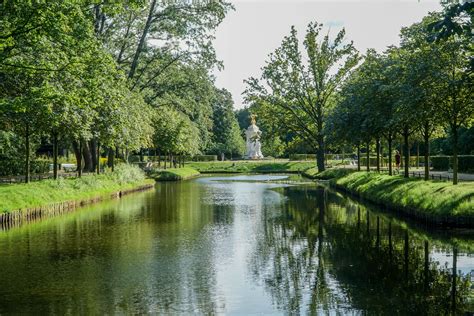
(235, 245)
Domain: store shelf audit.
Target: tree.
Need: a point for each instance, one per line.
(303, 91)
(421, 82)
(175, 133)
(226, 132)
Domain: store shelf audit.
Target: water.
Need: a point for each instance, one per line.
(234, 245)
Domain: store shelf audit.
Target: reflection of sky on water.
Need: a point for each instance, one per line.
(247, 197)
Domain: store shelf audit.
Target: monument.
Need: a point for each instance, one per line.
(253, 133)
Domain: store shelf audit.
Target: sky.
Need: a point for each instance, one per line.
(256, 28)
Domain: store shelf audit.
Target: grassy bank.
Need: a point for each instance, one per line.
(242, 166)
(329, 174)
(175, 174)
(47, 192)
(428, 200)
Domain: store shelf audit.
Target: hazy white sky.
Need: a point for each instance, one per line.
(256, 28)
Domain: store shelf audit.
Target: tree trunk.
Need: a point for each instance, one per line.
(55, 155)
(111, 158)
(377, 148)
(455, 154)
(27, 153)
(417, 154)
(159, 158)
(77, 153)
(426, 139)
(320, 154)
(79, 162)
(358, 157)
(86, 152)
(406, 152)
(93, 152)
(401, 155)
(368, 156)
(390, 141)
(141, 43)
(98, 158)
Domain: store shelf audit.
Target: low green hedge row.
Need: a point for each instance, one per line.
(373, 161)
(136, 158)
(16, 167)
(465, 163)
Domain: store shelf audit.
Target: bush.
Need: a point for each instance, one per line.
(125, 173)
(16, 167)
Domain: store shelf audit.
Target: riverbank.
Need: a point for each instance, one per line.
(249, 166)
(175, 174)
(438, 202)
(77, 191)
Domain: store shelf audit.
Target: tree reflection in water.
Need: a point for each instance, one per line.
(316, 257)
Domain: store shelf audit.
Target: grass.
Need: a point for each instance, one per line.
(23, 196)
(243, 166)
(175, 174)
(328, 174)
(437, 199)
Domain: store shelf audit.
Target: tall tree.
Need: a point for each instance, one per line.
(304, 91)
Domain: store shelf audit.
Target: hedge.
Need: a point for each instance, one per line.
(202, 158)
(16, 167)
(373, 161)
(443, 163)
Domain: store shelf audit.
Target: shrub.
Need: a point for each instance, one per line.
(16, 167)
(125, 173)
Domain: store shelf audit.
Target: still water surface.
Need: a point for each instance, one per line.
(235, 245)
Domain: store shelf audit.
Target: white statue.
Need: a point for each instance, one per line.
(253, 134)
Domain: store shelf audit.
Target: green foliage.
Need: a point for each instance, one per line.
(175, 133)
(46, 192)
(226, 137)
(94, 73)
(414, 90)
(16, 167)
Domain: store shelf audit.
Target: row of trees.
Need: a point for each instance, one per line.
(419, 89)
(103, 76)
(328, 96)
